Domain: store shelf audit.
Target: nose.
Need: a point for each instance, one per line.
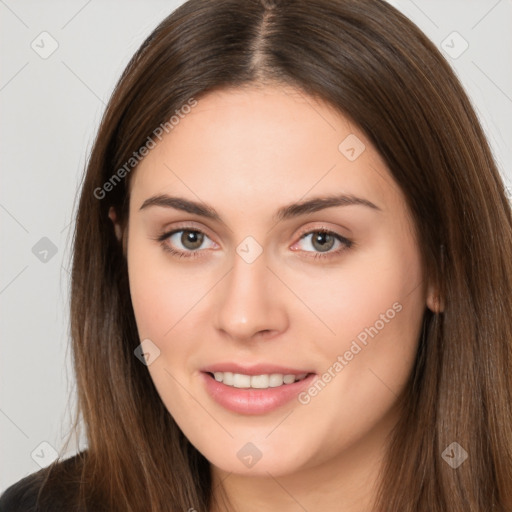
(250, 302)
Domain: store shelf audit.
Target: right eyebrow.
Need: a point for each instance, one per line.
(180, 203)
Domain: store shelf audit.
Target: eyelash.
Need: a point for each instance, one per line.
(346, 243)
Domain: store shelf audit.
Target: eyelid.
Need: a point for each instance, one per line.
(322, 227)
(185, 225)
(169, 230)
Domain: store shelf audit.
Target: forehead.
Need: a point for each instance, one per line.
(259, 146)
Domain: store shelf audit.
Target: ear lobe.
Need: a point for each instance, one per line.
(117, 227)
(434, 302)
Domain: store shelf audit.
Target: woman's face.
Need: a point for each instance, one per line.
(264, 285)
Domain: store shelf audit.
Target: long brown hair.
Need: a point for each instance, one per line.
(375, 66)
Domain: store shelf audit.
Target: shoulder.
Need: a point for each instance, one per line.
(22, 496)
(53, 488)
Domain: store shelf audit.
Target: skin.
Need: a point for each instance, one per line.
(246, 153)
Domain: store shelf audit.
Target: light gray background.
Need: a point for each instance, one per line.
(50, 110)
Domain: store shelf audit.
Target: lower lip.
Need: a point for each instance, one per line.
(251, 400)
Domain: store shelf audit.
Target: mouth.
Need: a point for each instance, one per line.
(254, 391)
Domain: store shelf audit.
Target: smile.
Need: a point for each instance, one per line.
(254, 394)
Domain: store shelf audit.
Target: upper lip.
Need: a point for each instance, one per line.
(254, 369)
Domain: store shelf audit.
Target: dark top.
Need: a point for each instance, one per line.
(23, 496)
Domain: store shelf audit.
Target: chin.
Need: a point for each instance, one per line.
(259, 458)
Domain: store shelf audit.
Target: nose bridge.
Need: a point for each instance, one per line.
(248, 300)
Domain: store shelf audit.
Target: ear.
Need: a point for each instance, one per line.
(117, 227)
(434, 302)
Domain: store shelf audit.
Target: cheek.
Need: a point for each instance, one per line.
(151, 312)
(161, 295)
(373, 306)
(163, 300)
(376, 313)
(351, 296)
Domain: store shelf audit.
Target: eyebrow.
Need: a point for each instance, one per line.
(286, 212)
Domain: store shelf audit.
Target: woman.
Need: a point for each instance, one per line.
(291, 281)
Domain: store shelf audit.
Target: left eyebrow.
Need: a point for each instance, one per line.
(286, 212)
(320, 203)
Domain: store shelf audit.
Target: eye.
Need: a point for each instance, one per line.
(323, 242)
(184, 242)
(188, 243)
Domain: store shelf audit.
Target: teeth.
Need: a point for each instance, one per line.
(228, 377)
(273, 380)
(241, 381)
(260, 381)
